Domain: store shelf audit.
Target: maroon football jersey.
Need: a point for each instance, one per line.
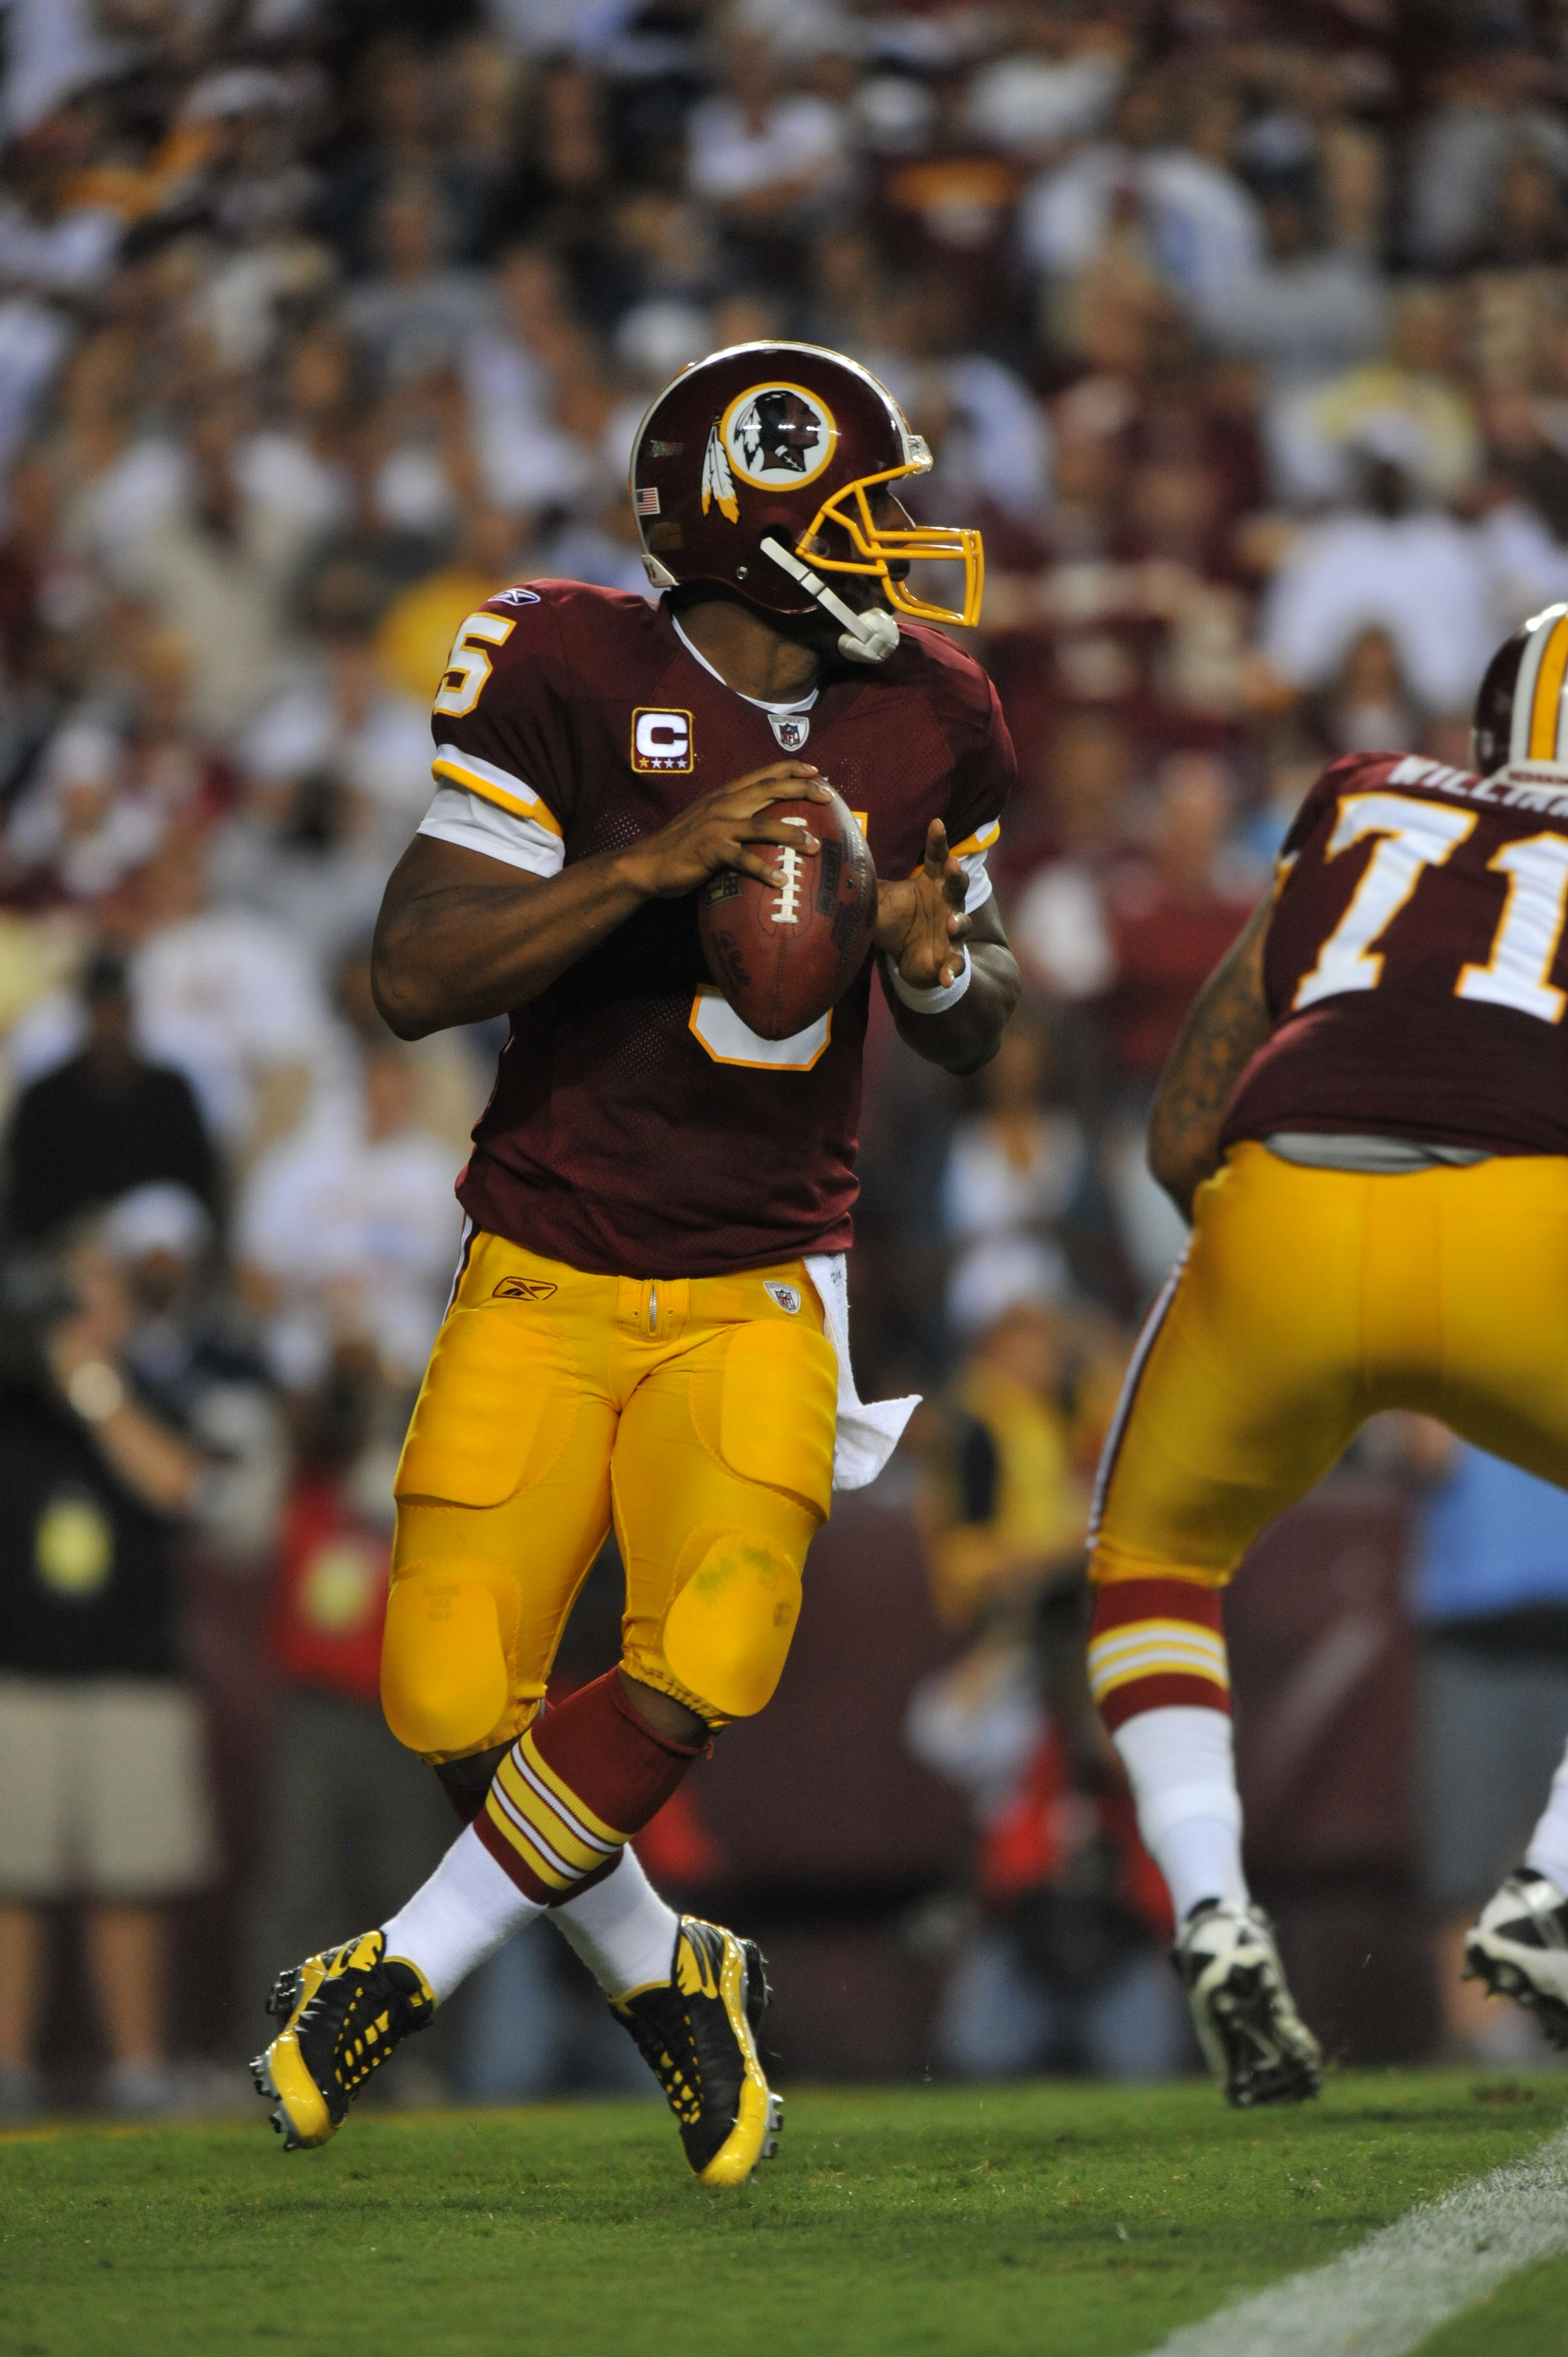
(1415, 963)
(637, 1128)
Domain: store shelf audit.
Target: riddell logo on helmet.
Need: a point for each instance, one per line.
(662, 740)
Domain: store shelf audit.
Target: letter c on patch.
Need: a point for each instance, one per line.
(661, 740)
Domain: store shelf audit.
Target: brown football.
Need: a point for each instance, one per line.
(783, 955)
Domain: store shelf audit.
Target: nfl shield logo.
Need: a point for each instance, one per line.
(791, 729)
(788, 1297)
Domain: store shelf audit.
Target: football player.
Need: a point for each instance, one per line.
(1366, 1119)
(648, 1324)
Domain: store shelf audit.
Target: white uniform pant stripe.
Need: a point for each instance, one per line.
(1145, 1343)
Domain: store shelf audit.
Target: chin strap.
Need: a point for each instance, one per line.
(868, 638)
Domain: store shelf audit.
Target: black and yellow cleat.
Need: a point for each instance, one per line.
(343, 2013)
(697, 2032)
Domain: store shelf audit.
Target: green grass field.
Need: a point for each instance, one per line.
(1059, 2220)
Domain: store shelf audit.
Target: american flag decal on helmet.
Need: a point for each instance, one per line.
(718, 483)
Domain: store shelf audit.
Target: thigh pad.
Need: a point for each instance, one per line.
(496, 1409)
(768, 1412)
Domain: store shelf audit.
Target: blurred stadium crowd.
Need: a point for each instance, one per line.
(1240, 327)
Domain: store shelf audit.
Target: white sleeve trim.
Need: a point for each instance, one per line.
(978, 886)
(475, 824)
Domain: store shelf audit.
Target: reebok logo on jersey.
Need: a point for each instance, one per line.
(523, 1289)
(662, 740)
(788, 1297)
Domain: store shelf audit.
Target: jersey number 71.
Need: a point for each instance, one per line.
(1411, 837)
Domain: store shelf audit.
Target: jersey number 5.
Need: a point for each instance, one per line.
(1411, 837)
(469, 665)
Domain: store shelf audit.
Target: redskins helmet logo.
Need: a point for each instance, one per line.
(773, 436)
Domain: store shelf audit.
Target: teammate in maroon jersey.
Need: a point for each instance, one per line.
(649, 1325)
(1366, 1119)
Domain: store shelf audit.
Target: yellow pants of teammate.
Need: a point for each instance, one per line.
(696, 1414)
(1311, 1299)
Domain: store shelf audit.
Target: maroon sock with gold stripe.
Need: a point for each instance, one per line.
(575, 1788)
(1153, 1642)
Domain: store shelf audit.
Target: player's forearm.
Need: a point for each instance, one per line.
(966, 1035)
(1229, 1023)
(450, 950)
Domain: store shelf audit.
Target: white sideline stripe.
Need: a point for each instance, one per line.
(1384, 2297)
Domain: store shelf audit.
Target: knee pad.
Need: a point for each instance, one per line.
(445, 1652)
(727, 1634)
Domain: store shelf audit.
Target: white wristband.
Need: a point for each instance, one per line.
(936, 1001)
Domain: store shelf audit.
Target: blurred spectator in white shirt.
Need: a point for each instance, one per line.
(1395, 564)
(1134, 943)
(345, 719)
(1524, 535)
(230, 998)
(544, 28)
(1464, 145)
(418, 311)
(50, 245)
(522, 372)
(1203, 229)
(216, 568)
(54, 48)
(77, 827)
(1311, 309)
(766, 157)
(53, 252)
(1016, 1168)
(1057, 80)
(350, 1230)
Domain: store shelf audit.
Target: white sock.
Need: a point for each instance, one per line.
(1181, 1763)
(467, 1909)
(1548, 1851)
(622, 1929)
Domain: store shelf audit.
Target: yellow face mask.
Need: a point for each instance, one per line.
(879, 547)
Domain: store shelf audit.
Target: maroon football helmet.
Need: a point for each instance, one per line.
(1521, 710)
(752, 471)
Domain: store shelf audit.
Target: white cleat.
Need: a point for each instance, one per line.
(1520, 1948)
(1254, 2040)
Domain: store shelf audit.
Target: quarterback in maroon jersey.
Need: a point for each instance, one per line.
(649, 1328)
(1367, 1121)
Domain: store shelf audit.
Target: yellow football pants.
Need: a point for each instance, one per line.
(697, 1413)
(1311, 1299)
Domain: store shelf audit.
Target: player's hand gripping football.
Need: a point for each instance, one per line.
(920, 923)
(723, 830)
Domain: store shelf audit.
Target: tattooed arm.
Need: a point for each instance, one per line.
(1229, 1022)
